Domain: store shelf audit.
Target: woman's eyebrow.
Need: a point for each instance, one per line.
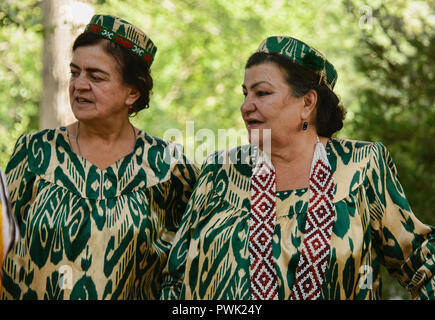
(256, 84)
(89, 69)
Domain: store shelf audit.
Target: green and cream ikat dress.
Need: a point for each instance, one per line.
(373, 226)
(88, 233)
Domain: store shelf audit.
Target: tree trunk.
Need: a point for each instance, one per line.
(61, 25)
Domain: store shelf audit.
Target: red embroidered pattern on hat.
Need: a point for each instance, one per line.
(94, 28)
(148, 58)
(264, 282)
(122, 42)
(317, 234)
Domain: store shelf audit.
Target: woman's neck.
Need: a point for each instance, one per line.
(292, 159)
(294, 148)
(102, 145)
(107, 132)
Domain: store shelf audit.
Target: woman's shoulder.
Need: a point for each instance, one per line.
(32, 153)
(159, 157)
(49, 133)
(350, 144)
(153, 140)
(44, 135)
(229, 164)
(357, 150)
(353, 162)
(154, 146)
(40, 146)
(239, 155)
(40, 140)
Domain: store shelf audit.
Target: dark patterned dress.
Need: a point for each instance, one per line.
(88, 233)
(373, 226)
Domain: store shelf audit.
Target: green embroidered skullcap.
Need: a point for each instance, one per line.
(302, 54)
(124, 34)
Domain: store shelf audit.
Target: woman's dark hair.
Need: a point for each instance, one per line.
(330, 113)
(134, 70)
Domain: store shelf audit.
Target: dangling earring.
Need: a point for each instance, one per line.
(130, 109)
(305, 125)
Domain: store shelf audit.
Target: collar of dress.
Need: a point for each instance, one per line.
(317, 234)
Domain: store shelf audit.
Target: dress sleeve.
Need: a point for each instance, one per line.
(405, 245)
(19, 179)
(173, 274)
(183, 178)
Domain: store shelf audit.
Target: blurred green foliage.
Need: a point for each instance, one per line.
(383, 51)
(20, 71)
(396, 59)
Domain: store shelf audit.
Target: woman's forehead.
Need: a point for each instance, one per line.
(94, 56)
(265, 72)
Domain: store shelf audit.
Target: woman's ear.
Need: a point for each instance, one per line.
(132, 96)
(310, 102)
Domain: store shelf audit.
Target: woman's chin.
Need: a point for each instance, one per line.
(259, 136)
(82, 112)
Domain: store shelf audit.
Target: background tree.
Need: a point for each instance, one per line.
(61, 25)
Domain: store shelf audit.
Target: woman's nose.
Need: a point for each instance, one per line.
(81, 82)
(248, 105)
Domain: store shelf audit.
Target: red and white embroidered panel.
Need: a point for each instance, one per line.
(264, 282)
(318, 229)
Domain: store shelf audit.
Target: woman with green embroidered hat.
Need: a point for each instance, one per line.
(297, 214)
(98, 201)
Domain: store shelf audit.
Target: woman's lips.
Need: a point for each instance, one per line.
(253, 124)
(82, 100)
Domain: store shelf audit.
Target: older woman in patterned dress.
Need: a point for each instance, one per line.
(301, 215)
(97, 202)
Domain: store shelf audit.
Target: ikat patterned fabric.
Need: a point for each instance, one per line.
(301, 53)
(373, 226)
(88, 233)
